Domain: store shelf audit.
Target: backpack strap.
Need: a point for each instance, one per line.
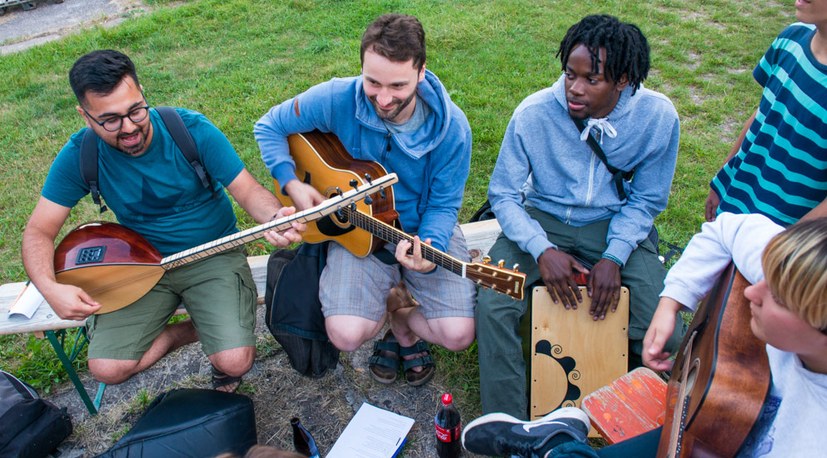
(617, 175)
(182, 137)
(89, 166)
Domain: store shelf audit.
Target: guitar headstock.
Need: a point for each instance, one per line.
(498, 278)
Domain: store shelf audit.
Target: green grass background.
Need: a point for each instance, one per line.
(234, 59)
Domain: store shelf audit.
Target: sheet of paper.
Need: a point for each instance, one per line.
(27, 302)
(372, 433)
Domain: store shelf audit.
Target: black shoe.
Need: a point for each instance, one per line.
(499, 434)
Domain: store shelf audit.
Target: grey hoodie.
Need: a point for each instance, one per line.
(543, 156)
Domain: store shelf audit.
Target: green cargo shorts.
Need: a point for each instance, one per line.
(218, 293)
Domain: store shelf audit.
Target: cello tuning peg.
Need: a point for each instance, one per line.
(501, 263)
(486, 259)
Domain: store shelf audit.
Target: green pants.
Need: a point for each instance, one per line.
(502, 366)
(218, 292)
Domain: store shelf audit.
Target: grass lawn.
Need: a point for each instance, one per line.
(233, 59)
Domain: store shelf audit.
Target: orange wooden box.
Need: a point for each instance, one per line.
(633, 404)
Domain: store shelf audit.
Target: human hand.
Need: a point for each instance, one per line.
(604, 288)
(410, 257)
(303, 195)
(70, 302)
(711, 207)
(660, 329)
(556, 268)
(289, 236)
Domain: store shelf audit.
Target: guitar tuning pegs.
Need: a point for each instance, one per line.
(368, 178)
(382, 193)
(368, 200)
(501, 263)
(354, 184)
(486, 259)
(338, 191)
(516, 268)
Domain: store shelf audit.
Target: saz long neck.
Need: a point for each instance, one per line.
(391, 234)
(311, 214)
(235, 240)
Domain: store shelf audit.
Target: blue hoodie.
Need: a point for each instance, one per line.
(432, 162)
(543, 156)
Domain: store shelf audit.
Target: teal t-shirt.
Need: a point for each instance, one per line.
(157, 194)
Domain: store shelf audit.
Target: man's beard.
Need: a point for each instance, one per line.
(401, 105)
(136, 149)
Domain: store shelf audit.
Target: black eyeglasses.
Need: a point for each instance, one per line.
(113, 123)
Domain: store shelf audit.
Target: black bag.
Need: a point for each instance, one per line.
(190, 422)
(294, 313)
(29, 426)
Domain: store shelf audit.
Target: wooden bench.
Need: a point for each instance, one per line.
(480, 236)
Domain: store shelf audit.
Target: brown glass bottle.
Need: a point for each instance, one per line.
(303, 442)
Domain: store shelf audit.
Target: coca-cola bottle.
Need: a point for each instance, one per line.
(448, 428)
(303, 442)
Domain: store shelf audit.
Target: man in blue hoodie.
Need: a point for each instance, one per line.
(555, 198)
(398, 114)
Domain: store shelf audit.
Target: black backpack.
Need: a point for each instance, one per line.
(180, 135)
(293, 310)
(29, 426)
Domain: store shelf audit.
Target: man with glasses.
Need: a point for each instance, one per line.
(152, 189)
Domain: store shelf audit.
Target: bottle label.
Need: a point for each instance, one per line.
(448, 434)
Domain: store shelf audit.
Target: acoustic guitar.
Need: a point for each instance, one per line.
(324, 163)
(720, 379)
(117, 266)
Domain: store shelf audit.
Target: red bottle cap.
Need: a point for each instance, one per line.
(447, 399)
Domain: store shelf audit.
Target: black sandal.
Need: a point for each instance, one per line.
(220, 380)
(426, 361)
(384, 363)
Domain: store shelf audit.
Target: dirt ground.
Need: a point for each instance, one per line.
(324, 405)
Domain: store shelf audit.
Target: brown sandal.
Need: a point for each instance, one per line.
(425, 360)
(384, 363)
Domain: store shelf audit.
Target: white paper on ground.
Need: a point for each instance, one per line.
(372, 433)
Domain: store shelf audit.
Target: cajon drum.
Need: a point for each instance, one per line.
(573, 355)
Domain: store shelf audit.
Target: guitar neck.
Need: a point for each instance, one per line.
(393, 235)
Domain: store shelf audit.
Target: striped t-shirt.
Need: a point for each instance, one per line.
(781, 169)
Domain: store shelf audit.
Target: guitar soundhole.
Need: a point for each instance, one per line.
(91, 255)
(332, 225)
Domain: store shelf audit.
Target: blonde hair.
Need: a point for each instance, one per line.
(795, 267)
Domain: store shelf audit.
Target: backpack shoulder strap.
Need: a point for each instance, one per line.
(182, 137)
(89, 166)
(617, 175)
